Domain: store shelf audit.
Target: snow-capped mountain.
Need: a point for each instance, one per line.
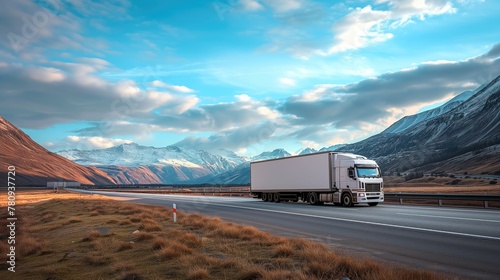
(333, 148)
(408, 121)
(278, 153)
(132, 163)
(132, 155)
(307, 151)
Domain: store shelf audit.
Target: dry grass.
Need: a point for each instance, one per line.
(431, 184)
(128, 241)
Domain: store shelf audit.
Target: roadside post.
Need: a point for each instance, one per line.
(175, 213)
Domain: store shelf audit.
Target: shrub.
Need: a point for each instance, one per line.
(455, 182)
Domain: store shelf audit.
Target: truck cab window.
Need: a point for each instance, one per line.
(350, 172)
(364, 172)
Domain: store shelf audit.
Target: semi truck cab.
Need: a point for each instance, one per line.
(359, 178)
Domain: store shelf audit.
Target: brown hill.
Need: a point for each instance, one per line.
(35, 165)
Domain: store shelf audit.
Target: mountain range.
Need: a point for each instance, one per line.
(461, 135)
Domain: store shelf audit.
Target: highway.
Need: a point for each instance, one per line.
(456, 241)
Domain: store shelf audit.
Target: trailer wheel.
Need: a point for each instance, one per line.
(264, 196)
(269, 197)
(373, 203)
(276, 197)
(346, 200)
(313, 199)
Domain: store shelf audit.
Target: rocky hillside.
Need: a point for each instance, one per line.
(431, 144)
(35, 165)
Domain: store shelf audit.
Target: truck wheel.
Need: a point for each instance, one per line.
(373, 203)
(264, 196)
(269, 197)
(276, 197)
(313, 199)
(346, 200)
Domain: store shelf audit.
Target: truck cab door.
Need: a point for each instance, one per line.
(346, 181)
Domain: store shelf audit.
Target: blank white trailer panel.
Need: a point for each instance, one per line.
(299, 173)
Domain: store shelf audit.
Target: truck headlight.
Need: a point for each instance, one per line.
(361, 194)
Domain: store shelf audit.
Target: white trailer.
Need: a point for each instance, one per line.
(339, 178)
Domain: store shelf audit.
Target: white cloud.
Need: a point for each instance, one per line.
(373, 101)
(268, 112)
(403, 11)
(310, 144)
(73, 92)
(360, 28)
(366, 26)
(94, 142)
(45, 74)
(174, 88)
(318, 92)
(282, 6)
(243, 98)
(128, 88)
(287, 81)
(251, 5)
(438, 62)
(235, 139)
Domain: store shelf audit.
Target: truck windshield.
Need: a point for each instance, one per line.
(367, 172)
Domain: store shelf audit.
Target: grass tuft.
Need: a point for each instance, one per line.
(173, 250)
(94, 234)
(123, 246)
(74, 220)
(198, 273)
(142, 236)
(284, 251)
(30, 246)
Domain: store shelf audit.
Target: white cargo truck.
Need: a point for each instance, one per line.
(339, 178)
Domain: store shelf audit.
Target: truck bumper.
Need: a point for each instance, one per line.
(369, 197)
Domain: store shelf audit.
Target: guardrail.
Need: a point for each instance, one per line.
(440, 197)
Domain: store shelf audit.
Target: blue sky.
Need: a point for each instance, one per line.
(244, 75)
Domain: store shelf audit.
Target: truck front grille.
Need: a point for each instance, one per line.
(372, 187)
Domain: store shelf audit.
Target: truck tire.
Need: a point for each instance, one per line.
(346, 200)
(269, 197)
(276, 197)
(264, 196)
(373, 203)
(313, 199)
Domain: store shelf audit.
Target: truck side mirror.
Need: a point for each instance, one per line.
(350, 173)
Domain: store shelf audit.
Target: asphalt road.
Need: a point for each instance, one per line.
(455, 241)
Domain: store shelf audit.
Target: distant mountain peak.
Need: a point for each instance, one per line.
(308, 151)
(409, 121)
(277, 153)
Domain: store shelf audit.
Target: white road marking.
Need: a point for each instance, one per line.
(444, 209)
(454, 218)
(362, 222)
